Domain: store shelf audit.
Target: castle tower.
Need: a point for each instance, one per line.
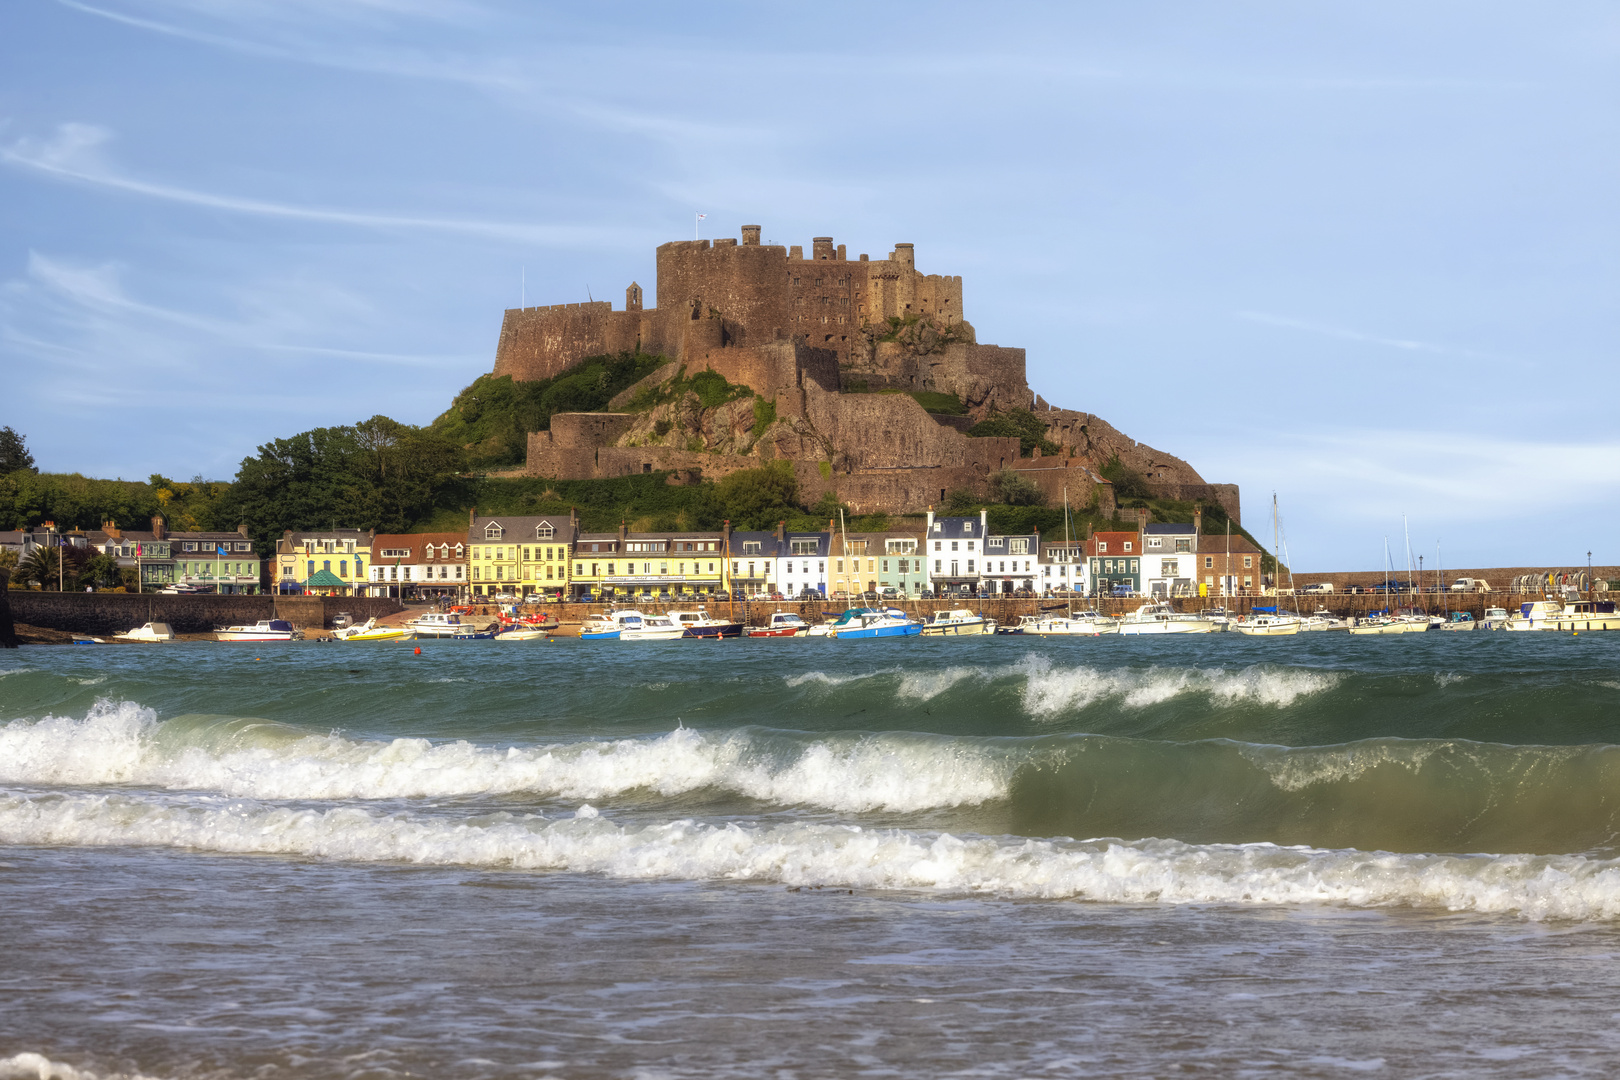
(905, 255)
(750, 235)
(632, 297)
(821, 247)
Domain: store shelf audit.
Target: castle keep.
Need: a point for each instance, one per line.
(817, 338)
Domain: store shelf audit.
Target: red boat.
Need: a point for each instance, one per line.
(782, 624)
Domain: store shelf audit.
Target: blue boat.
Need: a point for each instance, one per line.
(863, 622)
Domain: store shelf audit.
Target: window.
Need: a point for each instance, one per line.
(326, 564)
(1102, 547)
(188, 546)
(241, 546)
(493, 531)
(938, 527)
(936, 566)
(804, 547)
(1248, 562)
(1018, 547)
(407, 573)
(751, 547)
(1183, 543)
(1127, 545)
(840, 566)
(526, 555)
(1247, 581)
(1209, 562)
(1154, 542)
(953, 545)
(1133, 565)
(500, 573)
(544, 531)
(1169, 568)
(885, 566)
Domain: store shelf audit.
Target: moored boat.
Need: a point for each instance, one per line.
(1535, 615)
(1460, 620)
(1158, 617)
(438, 624)
(610, 624)
(781, 624)
(956, 622)
(1073, 624)
(265, 630)
(699, 624)
(1495, 619)
(1587, 615)
(148, 633)
(1268, 624)
(653, 628)
(521, 632)
(864, 623)
(370, 631)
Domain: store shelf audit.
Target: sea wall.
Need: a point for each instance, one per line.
(113, 613)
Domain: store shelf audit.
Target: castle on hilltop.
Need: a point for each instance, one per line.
(817, 339)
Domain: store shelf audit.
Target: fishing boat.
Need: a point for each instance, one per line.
(370, 631)
(147, 633)
(265, 630)
(438, 624)
(1460, 620)
(1158, 617)
(653, 628)
(957, 621)
(1495, 619)
(1075, 624)
(699, 624)
(861, 623)
(781, 624)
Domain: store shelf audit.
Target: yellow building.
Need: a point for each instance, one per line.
(332, 563)
(520, 555)
(626, 564)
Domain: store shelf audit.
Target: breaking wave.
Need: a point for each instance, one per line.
(815, 854)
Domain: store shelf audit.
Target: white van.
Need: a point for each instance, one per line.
(1319, 587)
(1470, 584)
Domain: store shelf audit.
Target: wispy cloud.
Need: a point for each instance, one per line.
(74, 154)
(1343, 334)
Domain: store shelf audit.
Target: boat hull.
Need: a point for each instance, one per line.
(251, 635)
(870, 632)
(662, 633)
(978, 626)
(722, 630)
(1171, 626)
(396, 633)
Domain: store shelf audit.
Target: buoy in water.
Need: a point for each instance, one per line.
(419, 650)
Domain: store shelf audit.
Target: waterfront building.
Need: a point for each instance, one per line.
(222, 561)
(418, 565)
(754, 560)
(1063, 565)
(1114, 563)
(955, 552)
(864, 562)
(668, 565)
(332, 563)
(521, 554)
(801, 562)
(1010, 562)
(1229, 566)
(1169, 559)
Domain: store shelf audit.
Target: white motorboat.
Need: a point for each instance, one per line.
(1495, 619)
(439, 624)
(610, 624)
(1268, 624)
(148, 633)
(1075, 624)
(864, 623)
(266, 630)
(1554, 615)
(653, 628)
(1322, 619)
(520, 632)
(957, 621)
(1377, 625)
(1219, 619)
(370, 631)
(1160, 618)
(1460, 620)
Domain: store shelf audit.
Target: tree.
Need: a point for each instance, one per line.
(1015, 490)
(959, 503)
(1020, 424)
(100, 571)
(759, 498)
(1128, 483)
(39, 566)
(14, 455)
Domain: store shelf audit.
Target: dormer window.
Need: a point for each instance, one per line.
(1102, 547)
(493, 531)
(544, 531)
(1127, 545)
(939, 526)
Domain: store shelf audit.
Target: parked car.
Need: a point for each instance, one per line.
(1391, 586)
(810, 594)
(1319, 587)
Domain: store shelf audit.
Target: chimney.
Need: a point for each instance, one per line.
(241, 527)
(1198, 522)
(750, 235)
(781, 532)
(725, 531)
(112, 530)
(1141, 519)
(622, 534)
(157, 527)
(472, 518)
(573, 516)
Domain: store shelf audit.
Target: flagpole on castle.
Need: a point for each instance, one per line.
(695, 221)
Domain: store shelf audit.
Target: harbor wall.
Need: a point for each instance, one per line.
(113, 613)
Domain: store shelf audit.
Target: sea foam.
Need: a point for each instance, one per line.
(124, 743)
(1149, 871)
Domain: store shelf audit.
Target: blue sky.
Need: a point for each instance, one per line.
(1364, 255)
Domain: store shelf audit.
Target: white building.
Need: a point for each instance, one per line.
(1063, 565)
(801, 563)
(1010, 563)
(954, 552)
(1170, 560)
(418, 564)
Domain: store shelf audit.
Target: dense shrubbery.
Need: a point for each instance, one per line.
(492, 418)
(711, 388)
(1128, 483)
(1020, 424)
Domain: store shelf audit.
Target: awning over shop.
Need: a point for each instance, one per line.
(325, 579)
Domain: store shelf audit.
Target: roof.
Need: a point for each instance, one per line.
(325, 579)
(1175, 528)
(415, 543)
(954, 528)
(518, 528)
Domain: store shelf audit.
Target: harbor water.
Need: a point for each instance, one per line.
(990, 857)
